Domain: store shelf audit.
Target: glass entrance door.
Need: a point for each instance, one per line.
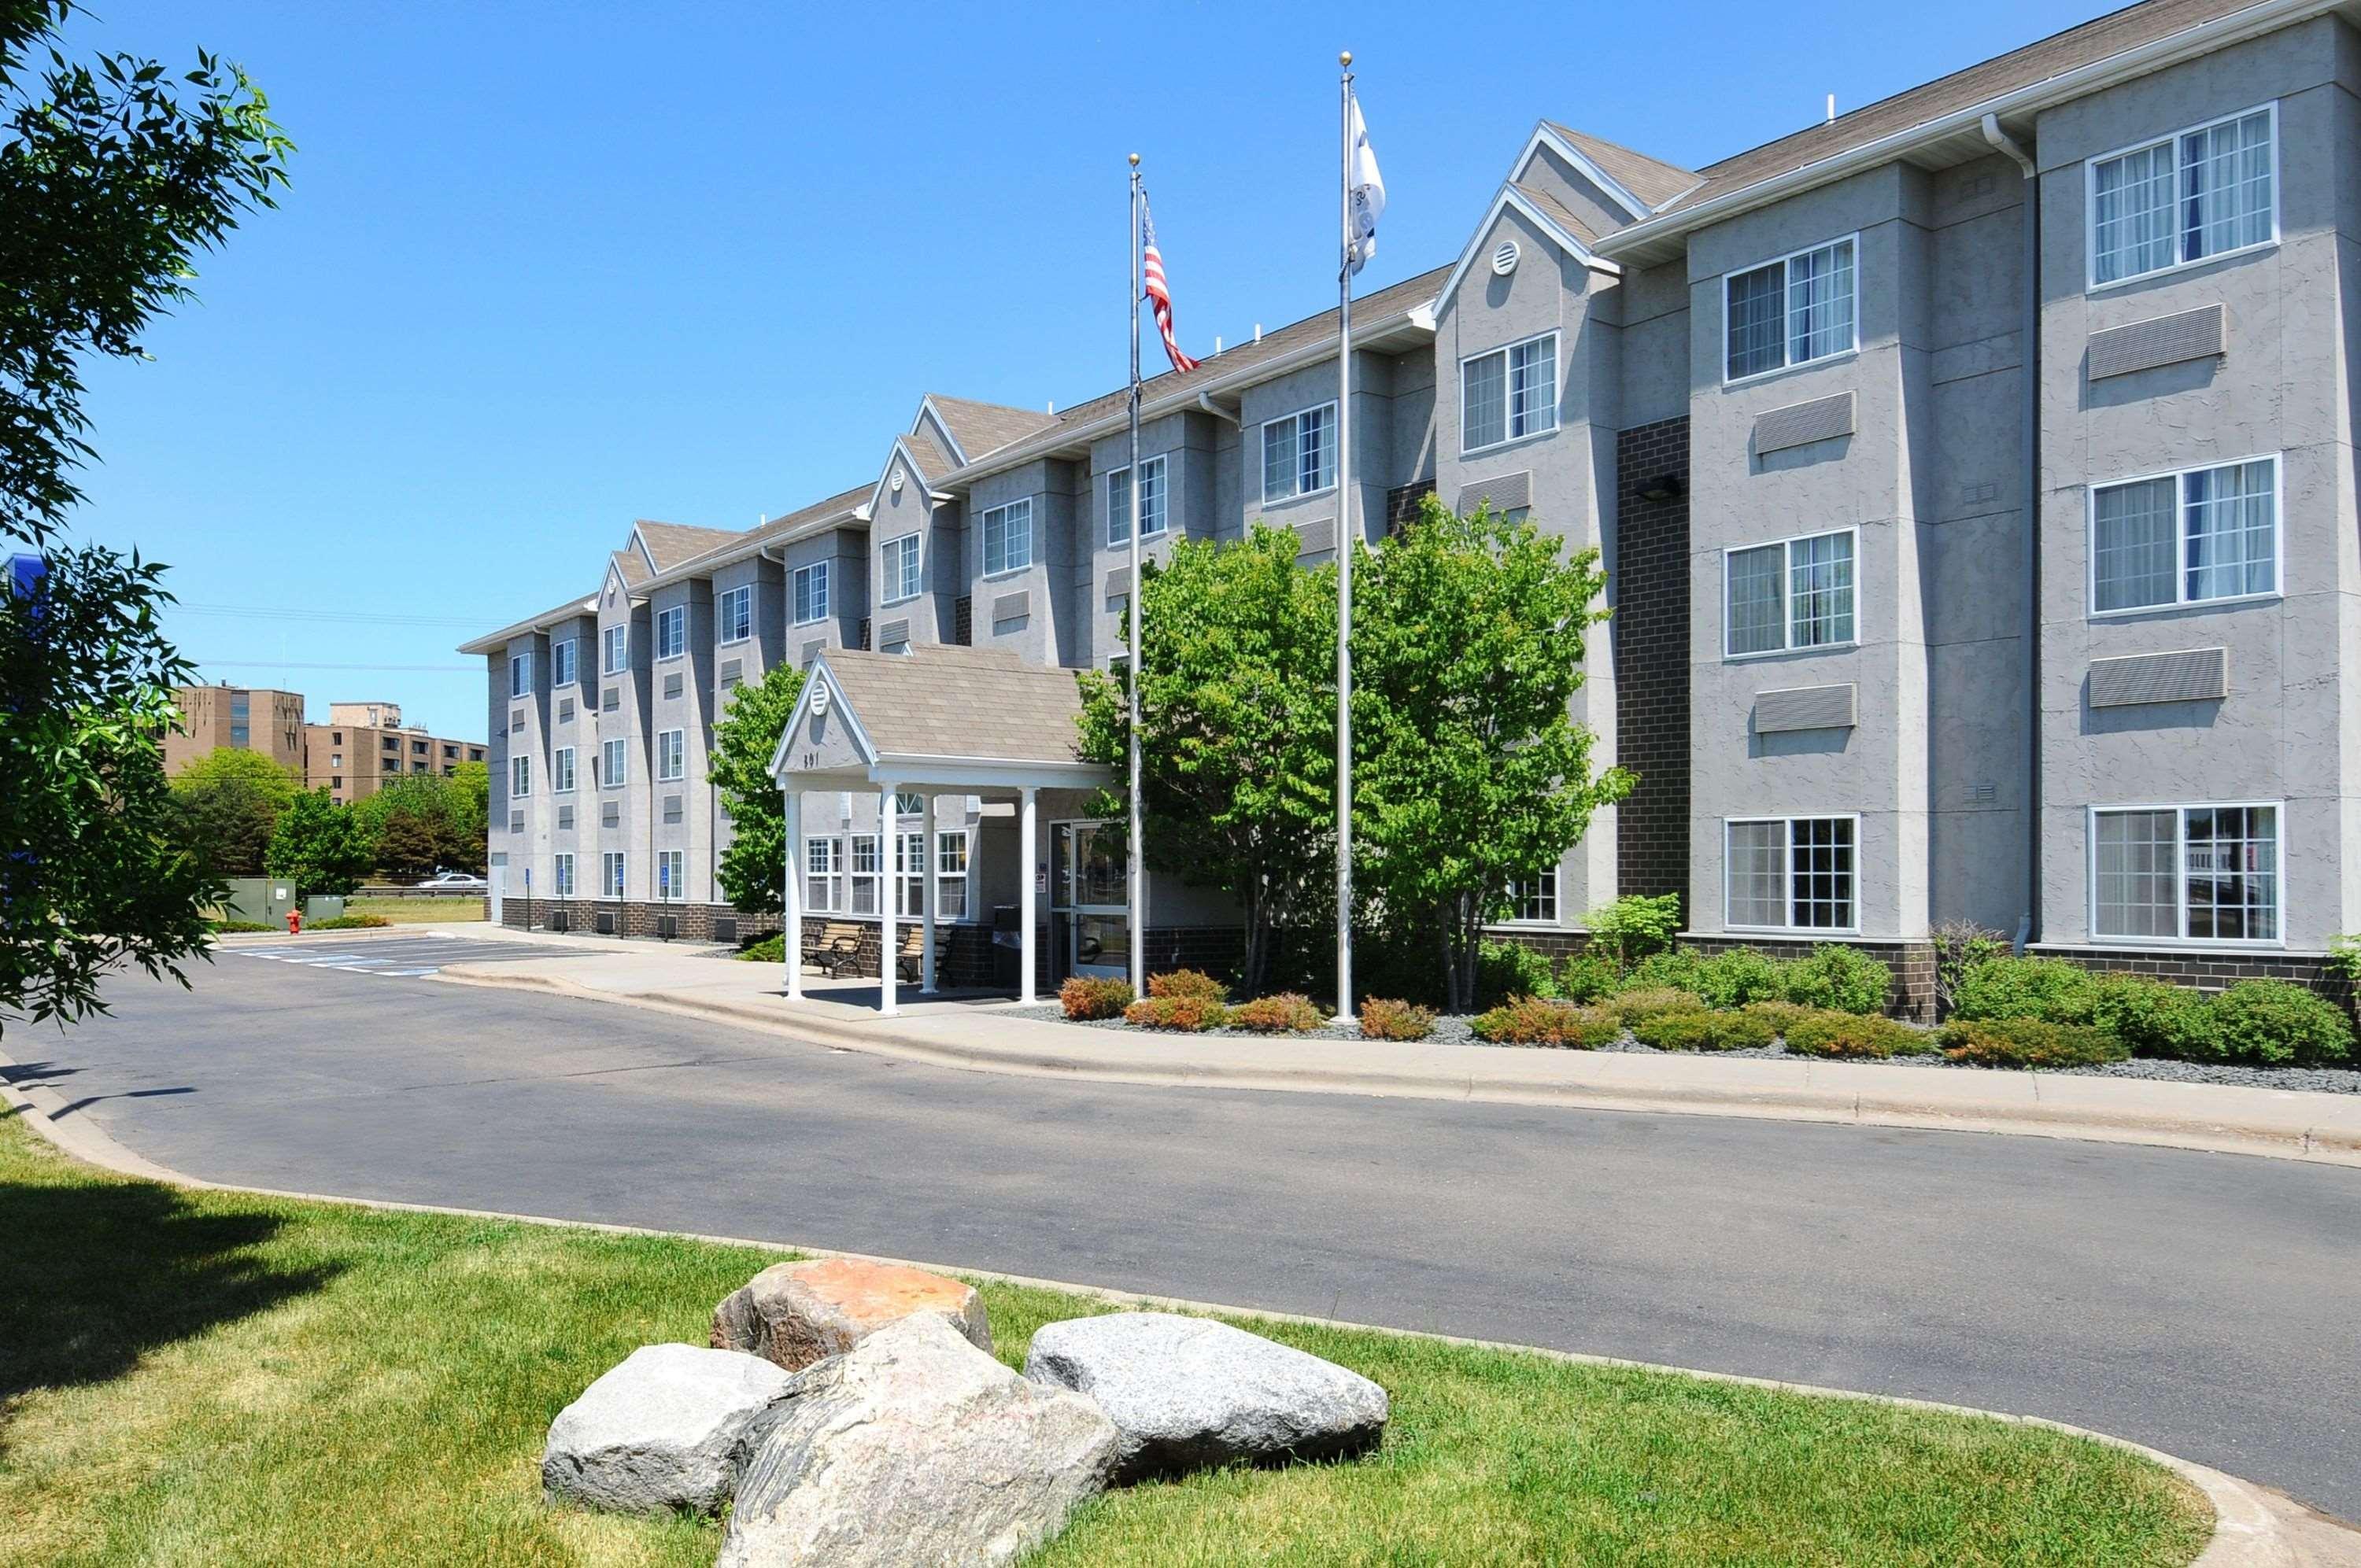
(1089, 894)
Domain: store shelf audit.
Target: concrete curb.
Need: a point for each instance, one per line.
(2253, 1527)
(1899, 1107)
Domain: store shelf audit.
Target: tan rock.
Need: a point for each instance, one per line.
(797, 1313)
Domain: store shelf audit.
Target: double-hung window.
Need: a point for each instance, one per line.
(812, 593)
(610, 874)
(1789, 874)
(612, 771)
(1534, 898)
(561, 771)
(2197, 873)
(1509, 393)
(563, 670)
(909, 875)
(733, 614)
(1794, 593)
(900, 567)
(1299, 454)
(520, 674)
(520, 777)
(1008, 537)
(951, 873)
(672, 631)
(1151, 501)
(864, 875)
(824, 875)
(2185, 538)
(561, 882)
(615, 650)
(2185, 198)
(1793, 311)
(672, 875)
(670, 752)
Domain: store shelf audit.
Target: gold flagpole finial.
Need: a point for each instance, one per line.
(1135, 161)
(1345, 59)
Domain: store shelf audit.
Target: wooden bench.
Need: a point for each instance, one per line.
(908, 959)
(838, 952)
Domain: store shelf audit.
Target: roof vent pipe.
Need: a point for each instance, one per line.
(1832, 109)
(1217, 349)
(1258, 332)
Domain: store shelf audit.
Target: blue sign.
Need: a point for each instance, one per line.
(25, 573)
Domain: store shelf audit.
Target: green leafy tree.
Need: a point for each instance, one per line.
(423, 822)
(1237, 729)
(1469, 771)
(755, 865)
(275, 781)
(226, 805)
(408, 847)
(319, 846)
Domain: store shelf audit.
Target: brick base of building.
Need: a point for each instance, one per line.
(606, 918)
(2205, 970)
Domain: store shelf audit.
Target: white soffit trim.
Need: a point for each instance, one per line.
(1509, 198)
(818, 674)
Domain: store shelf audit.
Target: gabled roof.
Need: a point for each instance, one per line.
(631, 565)
(980, 428)
(1543, 209)
(933, 460)
(1652, 180)
(667, 545)
(977, 709)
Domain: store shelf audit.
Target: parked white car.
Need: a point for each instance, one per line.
(456, 881)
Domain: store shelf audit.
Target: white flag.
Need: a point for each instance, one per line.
(1367, 189)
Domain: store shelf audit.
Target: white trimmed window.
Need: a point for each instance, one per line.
(610, 874)
(2186, 537)
(672, 631)
(561, 882)
(672, 875)
(824, 875)
(2193, 873)
(670, 753)
(563, 669)
(520, 674)
(733, 615)
(951, 873)
(615, 648)
(1008, 537)
(561, 771)
(2185, 198)
(864, 875)
(901, 568)
(812, 593)
(1793, 311)
(1534, 899)
(1509, 393)
(520, 777)
(1299, 454)
(1789, 874)
(1152, 506)
(1794, 593)
(613, 772)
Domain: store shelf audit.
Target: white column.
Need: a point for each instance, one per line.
(792, 928)
(927, 897)
(1027, 857)
(886, 892)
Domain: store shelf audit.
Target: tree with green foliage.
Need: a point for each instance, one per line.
(113, 178)
(423, 822)
(319, 846)
(753, 868)
(1238, 730)
(1469, 771)
(226, 805)
(275, 781)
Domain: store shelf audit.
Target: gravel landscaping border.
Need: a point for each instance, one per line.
(1460, 1031)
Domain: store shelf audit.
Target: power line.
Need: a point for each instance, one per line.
(268, 612)
(292, 665)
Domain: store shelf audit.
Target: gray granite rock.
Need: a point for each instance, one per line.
(916, 1448)
(671, 1427)
(1190, 1392)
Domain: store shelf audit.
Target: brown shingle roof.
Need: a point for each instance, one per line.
(932, 459)
(1559, 212)
(673, 542)
(1652, 180)
(986, 427)
(632, 565)
(960, 702)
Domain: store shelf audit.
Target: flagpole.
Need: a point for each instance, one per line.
(1134, 878)
(1346, 537)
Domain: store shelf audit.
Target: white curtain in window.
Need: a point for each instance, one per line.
(1532, 386)
(1756, 859)
(2135, 862)
(2232, 530)
(1483, 402)
(2132, 218)
(2133, 546)
(1819, 302)
(2226, 187)
(1819, 595)
(1757, 604)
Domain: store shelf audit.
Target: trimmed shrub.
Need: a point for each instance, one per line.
(1737, 977)
(1631, 1006)
(1855, 1035)
(1288, 1012)
(2277, 1021)
(771, 950)
(1504, 970)
(1704, 1031)
(1665, 972)
(1780, 1015)
(1635, 925)
(1188, 983)
(1384, 1020)
(232, 928)
(1838, 979)
(2048, 989)
(1088, 997)
(1541, 1021)
(2155, 1017)
(2027, 1042)
(349, 922)
(1186, 1014)
(1587, 977)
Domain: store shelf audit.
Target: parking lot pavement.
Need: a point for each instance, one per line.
(406, 958)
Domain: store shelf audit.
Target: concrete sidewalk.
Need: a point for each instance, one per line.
(979, 1033)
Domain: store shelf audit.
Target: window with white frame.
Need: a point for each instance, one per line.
(812, 593)
(615, 648)
(2185, 538)
(950, 874)
(613, 772)
(733, 614)
(561, 881)
(671, 749)
(862, 881)
(1792, 310)
(563, 669)
(1789, 874)
(520, 674)
(561, 771)
(1509, 393)
(1791, 594)
(672, 631)
(520, 777)
(909, 875)
(824, 875)
(1534, 898)
(1299, 454)
(610, 874)
(1008, 537)
(672, 875)
(901, 568)
(2196, 873)
(2184, 198)
(1151, 501)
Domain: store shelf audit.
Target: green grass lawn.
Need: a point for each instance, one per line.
(421, 911)
(191, 1377)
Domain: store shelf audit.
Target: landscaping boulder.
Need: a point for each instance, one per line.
(797, 1313)
(1189, 1392)
(670, 1428)
(916, 1448)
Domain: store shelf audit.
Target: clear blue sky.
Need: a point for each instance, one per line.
(548, 269)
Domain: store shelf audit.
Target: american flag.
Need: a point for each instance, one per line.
(1152, 265)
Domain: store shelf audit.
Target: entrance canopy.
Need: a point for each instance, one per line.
(936, 721)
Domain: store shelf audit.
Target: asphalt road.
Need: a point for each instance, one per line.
(2207, 1304)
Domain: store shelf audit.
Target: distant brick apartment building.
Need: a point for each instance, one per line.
(243, 718)
(361, 747)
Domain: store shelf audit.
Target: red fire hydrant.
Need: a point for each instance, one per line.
(294, 922)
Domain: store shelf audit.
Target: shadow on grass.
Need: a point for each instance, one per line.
(95, 1275)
